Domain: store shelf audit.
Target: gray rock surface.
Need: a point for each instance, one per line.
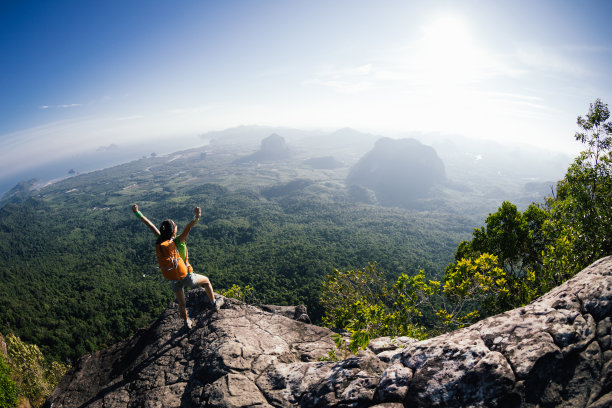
(298, 313)
(554, 352)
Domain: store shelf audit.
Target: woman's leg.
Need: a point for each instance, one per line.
(208, 288)
(201, 280)
(180, 298)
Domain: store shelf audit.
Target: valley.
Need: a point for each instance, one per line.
(80, 271)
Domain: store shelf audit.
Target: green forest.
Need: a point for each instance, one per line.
(79, 270)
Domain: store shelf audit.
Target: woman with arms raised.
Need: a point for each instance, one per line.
(173, 259)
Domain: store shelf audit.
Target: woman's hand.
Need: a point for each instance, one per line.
(135, 208)
(198, 212)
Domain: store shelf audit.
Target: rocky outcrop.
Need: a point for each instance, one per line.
(217, 363)
(299, 313)
(555, 352)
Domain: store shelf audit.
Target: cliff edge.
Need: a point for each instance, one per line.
(554, 352)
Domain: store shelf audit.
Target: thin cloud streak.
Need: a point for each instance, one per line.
(68, 106)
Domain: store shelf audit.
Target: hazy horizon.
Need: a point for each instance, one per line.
(80, 75)
(456, 151)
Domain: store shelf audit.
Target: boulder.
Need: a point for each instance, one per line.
(299, 313)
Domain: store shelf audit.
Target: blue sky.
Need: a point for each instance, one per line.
(76, 75)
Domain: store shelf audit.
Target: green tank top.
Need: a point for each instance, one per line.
(182, 249)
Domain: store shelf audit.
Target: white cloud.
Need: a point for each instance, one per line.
(68, 106)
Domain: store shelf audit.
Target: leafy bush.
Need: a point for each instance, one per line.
(245, 294)
(8, 389)
(362, 303)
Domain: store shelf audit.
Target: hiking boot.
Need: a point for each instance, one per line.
(188, 324)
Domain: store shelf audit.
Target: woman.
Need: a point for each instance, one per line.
(173, 259)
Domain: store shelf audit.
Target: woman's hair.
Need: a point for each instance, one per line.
(166, 231)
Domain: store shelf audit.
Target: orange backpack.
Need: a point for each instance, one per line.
(170, 262)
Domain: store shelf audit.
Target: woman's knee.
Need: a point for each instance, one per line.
(204, 281)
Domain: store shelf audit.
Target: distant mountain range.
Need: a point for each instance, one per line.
(473, 168)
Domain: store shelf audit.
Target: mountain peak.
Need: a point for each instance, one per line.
(273, 148)
(399, 171)
(555, 351)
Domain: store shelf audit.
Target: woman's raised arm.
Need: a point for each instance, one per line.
(197, 212)
(145, 220)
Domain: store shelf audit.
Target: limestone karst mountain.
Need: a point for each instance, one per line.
(272, 148)
(554, 352)
(398, 171)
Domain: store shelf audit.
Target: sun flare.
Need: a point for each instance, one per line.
(448, 53)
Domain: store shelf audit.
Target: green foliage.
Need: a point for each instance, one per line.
(344, 292)
(35, 375)
(596, 131)
(516, 251)
(414, 291)
(365, 304)
(8, 389)
(473, 288)
(246, 294)
(516, 241)
(547, 244)
(559, 258)
(581, 211)
(515, 238)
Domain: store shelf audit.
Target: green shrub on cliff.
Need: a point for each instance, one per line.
(34, 375)
(8, 389)
(365, 305)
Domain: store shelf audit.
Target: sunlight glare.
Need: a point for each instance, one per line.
(448, 55)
